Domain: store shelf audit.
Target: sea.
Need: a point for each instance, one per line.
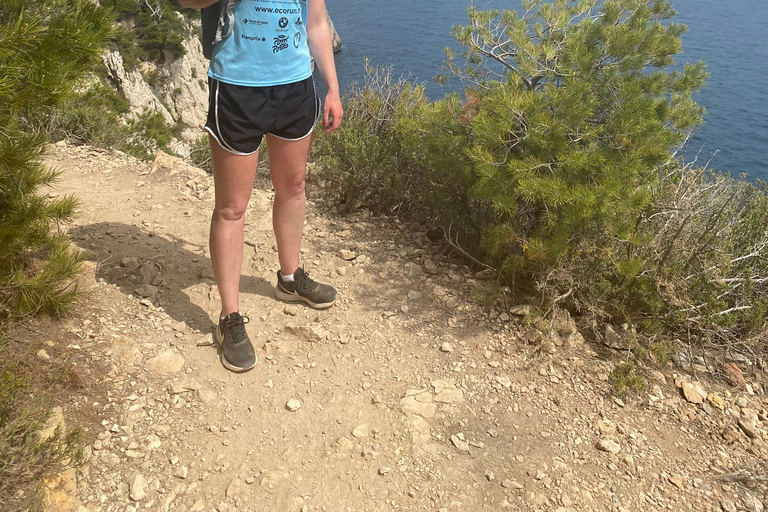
(729, 36)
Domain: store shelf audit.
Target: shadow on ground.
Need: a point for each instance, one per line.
(161, 268)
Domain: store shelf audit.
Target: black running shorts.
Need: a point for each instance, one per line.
(239, 116)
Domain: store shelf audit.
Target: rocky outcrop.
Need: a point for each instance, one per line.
(132, 86)
(178, 89)
(335, 38)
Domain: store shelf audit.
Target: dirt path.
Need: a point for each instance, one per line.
(410, 396)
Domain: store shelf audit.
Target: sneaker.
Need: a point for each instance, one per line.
(237, 353)
(303, 288)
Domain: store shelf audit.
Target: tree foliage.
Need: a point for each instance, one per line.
(45, 47)
(149, 29)
(559, 166)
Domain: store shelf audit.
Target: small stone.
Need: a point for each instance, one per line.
(510, 484)
(138, 487)
(383, 470)
(348, 255)
(749, 427)
(207, 341)
(147, 291)
(521, 310)
(677, 481)
(166, 362)
(489, 475)
(608, 445)
(410, 405)
(361, 431)
(460, 442)
(691, 393)
(446, 347)
(42, 354)
(55, 420)
(293, 405)
(430, 267)
(414, 295)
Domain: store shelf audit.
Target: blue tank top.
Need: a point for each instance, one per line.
(268, 45)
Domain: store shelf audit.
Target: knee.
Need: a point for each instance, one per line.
(229, 212)
(290, 188)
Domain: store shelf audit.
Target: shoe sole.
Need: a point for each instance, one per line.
(295, 297)
(229, 366)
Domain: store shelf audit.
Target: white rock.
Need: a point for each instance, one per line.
(166, 362)
(409, 405)
(607, 445)
(138, 487)
(293, 405)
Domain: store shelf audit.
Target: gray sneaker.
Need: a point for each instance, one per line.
(237, 353)
(304, 289)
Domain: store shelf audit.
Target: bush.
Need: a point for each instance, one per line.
(91, 116)
(46, 46)
(399, 153)
(149, 29)
(559, 168)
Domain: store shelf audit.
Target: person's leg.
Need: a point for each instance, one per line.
(287, 166)
(233, 177)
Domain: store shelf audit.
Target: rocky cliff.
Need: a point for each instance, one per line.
(177, 89)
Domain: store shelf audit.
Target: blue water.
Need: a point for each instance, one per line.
(727, 35)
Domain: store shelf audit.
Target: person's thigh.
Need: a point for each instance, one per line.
(288, 163)
(233, 177)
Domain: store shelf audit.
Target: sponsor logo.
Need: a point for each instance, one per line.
(299, 21)
(280, 43)
(253, 38)
(283, 22)
(254, 22)
(297, 39)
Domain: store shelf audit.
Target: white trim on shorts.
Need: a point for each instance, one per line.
(217, 136)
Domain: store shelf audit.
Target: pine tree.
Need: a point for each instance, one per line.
(46, 46)
(576, 108)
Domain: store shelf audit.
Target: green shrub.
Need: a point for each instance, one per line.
(90, 116)
(148, 133)
(625, 378)
(149, 29)
(46, 47)
(399, 153)
(559, 168)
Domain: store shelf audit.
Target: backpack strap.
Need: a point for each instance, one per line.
(226, 21)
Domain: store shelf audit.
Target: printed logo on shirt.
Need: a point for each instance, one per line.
(253, 38)
(280, 43)
(297, 39)
(283, 22)
(299, 21)
(255, 22)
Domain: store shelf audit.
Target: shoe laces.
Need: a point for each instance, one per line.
(305, 284)
(236, 328)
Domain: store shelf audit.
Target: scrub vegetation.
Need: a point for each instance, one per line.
(561, 166)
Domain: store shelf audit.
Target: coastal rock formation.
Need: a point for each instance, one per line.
(178, 88)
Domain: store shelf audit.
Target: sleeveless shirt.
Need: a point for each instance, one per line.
(268, 45)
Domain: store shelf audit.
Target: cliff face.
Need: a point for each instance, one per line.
(177, 89)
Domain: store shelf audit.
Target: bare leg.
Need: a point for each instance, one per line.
(233, 177)
(287, 166)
